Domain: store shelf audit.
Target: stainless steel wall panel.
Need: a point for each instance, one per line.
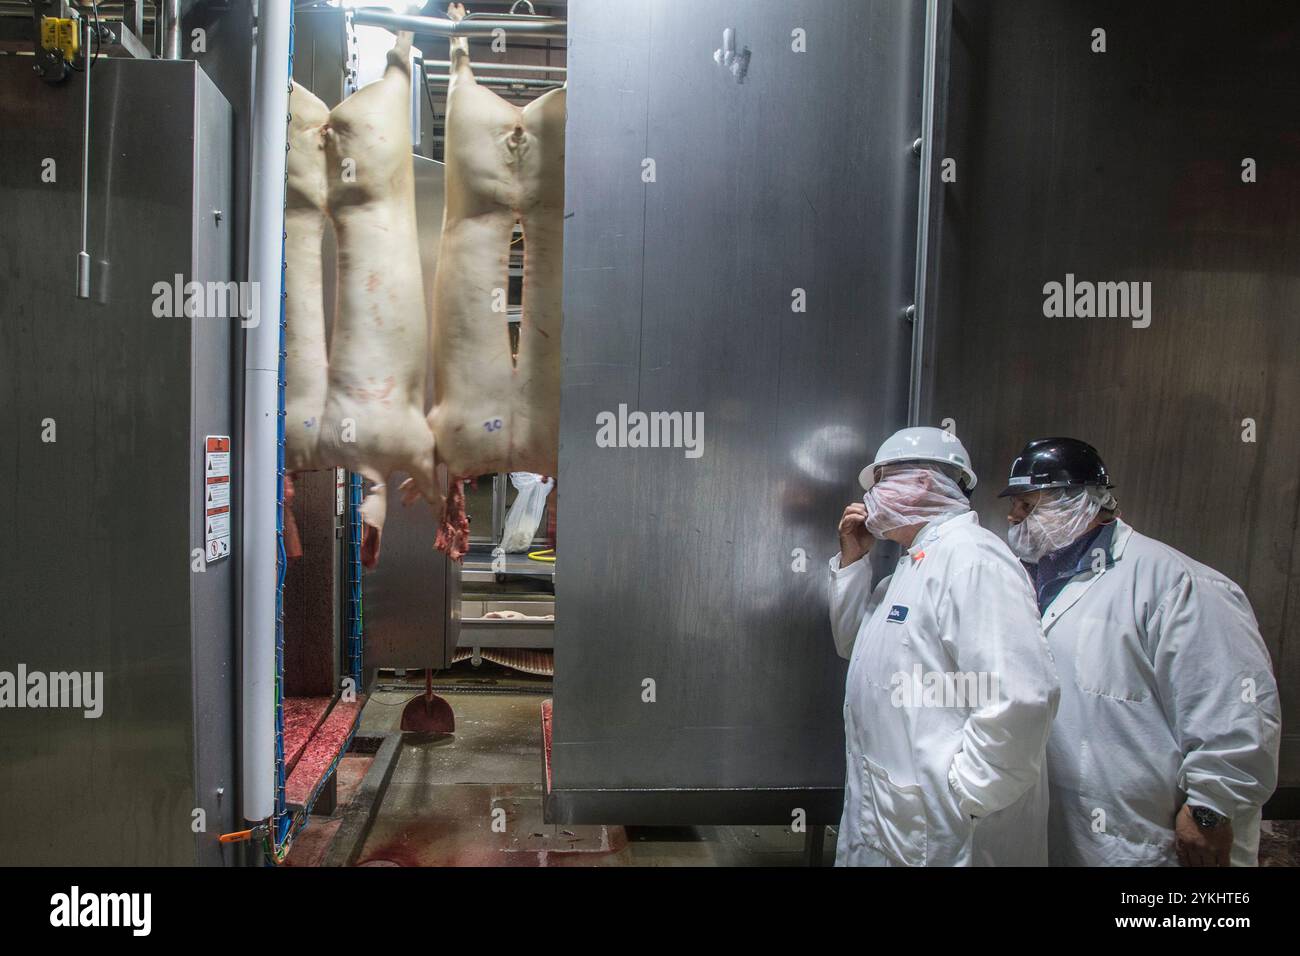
(215, 657)
(678, 298)
(320, 52)
(412, 599)
(101, 522)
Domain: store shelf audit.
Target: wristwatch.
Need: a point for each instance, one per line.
(1206, 818)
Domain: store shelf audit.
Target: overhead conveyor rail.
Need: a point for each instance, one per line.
(510, 67)
(471, 26)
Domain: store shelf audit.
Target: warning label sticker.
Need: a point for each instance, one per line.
(216, 508)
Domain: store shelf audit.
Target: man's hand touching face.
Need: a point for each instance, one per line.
(855, 539)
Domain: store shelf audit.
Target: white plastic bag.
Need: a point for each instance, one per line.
(526, 513)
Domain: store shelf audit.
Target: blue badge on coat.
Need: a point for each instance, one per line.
(898, 614)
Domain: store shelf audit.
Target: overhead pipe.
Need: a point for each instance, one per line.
(937, 16)
(169, 29)
(262, 346)
(83, 257)
(442, 79)
(510, 67)
(469, 27)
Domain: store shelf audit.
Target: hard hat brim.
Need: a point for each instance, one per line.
(1027, 489)
(1011, 490)
(867, 476)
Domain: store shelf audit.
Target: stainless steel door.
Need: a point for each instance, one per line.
(102, 522)
(739, 245)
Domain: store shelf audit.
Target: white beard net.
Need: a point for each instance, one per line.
(1059, 518)
(911, 496)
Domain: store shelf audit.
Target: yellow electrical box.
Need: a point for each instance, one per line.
(61, 34)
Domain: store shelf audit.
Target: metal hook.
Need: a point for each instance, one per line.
(736, 62)
(727, 53)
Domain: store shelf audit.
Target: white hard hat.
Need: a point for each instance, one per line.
(921, 443)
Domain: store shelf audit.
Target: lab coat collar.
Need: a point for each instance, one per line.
(1119, 540)
(1080, 583)
(1082, 550)
(936, 529)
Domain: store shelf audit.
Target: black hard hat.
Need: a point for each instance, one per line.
(1056, 463)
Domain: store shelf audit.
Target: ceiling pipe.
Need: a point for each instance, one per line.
(433, 26)
(169, 29)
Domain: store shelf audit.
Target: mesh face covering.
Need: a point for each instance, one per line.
(910, 496)
(1061, 515)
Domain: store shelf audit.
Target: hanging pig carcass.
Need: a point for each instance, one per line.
(503, 165)
(306, 364)
(374, 418)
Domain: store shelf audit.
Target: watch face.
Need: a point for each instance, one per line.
(1206, 818)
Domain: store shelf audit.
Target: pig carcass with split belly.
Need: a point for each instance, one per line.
(374, 416)
(504, 165)
(306, 366)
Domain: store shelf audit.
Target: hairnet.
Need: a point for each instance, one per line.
(911, 495)
(1104, 498)
(1059, 518)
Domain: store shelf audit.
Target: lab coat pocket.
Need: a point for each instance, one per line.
(1109, 662)
(887, 655)
(892, 817)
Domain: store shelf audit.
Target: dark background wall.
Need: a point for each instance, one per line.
(1126, 166)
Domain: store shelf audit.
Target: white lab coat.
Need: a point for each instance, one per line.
(958, 602)
(1167, 695)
